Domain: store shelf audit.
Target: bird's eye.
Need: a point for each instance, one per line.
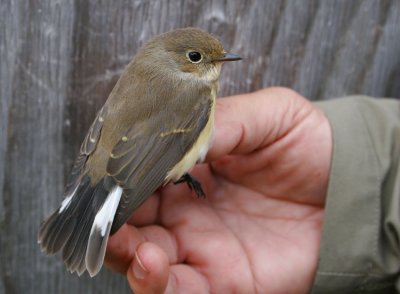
(194, 56)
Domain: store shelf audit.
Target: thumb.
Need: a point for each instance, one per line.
(247, 122)
(149, 270)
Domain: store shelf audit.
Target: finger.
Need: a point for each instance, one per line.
(150, 273)
(149, 270)
(247, 122)
(147, 213)
(121, 248)
(185, 279)
(164, 240)
(122, 245)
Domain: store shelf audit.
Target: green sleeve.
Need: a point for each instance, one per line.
(360, 247)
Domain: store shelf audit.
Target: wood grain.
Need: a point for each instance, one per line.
(61, 58)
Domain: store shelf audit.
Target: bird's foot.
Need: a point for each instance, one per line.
(192, 183)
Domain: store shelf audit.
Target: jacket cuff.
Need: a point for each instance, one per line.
(349, 261)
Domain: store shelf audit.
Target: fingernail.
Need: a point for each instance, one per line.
(139, 271)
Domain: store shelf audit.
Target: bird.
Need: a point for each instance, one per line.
(155, 125)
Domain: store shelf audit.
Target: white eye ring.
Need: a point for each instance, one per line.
(194, 56)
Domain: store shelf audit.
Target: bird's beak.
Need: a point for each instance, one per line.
(229, 57)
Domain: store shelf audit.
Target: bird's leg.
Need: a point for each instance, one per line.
(192, 183)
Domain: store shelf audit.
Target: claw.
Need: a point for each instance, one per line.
(192, 183)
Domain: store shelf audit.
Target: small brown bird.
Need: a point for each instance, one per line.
(155, 125)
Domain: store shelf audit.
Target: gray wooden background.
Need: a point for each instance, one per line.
(59, 59)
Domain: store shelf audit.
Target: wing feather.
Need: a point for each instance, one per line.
(141, 162)
(93, 135)
(87, 148)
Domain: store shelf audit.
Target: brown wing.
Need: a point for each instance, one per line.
(87, 147)
(92, 137)
(141, 160)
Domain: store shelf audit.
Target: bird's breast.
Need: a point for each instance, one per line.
(198, 151)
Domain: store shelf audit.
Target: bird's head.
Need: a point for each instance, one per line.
(188, 53)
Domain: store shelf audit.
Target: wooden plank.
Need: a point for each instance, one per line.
(60, 59)
(383, 75)
(34, 165)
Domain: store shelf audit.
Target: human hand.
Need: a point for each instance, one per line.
(258, 229)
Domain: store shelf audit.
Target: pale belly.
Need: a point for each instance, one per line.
(196, 154)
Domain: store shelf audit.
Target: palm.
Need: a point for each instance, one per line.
(257, 230)
(242, 240)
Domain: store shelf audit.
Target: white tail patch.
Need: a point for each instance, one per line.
(107, 211)
(100, 231)
(67, 200)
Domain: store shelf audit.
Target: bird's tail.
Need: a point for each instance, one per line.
(79, 229)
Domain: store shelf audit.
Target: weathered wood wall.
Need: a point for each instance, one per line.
(59, 59)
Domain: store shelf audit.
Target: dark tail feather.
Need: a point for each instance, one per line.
(68, 229)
